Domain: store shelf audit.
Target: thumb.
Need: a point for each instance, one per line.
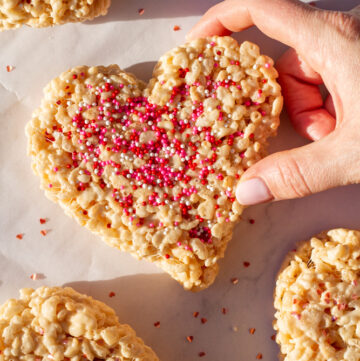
(298, 172)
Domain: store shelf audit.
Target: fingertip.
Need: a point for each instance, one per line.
(253, 191)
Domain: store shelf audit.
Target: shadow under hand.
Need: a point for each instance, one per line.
(142, 71)
(129, 10)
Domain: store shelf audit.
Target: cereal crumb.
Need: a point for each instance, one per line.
(252, 331)
(112, 294)
(20, 236)
(235, 328)
(157, 324)
(203, 320)
(234, 281)
(141, 11)
(202, 354)
(190, 338)
(246, 264)
(42, 220)
(259, 356)
(195, 314)
(9, 68)
(176, 28)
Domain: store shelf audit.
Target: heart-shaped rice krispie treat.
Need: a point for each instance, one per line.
(41, 13)
(61, 324)
(317, 299)
(153, 168)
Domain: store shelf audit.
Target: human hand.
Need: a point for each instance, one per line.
(325, 50)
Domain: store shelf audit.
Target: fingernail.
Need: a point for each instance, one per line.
(253, 191)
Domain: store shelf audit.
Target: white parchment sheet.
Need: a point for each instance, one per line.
(71, 255)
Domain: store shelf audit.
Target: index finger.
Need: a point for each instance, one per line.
(289, 21)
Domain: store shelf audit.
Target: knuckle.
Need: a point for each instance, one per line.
(291, 180)
(345, 23)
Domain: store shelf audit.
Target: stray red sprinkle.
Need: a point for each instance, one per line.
(42, 220)
(112, 294)
(9, 68)
(176, 28)
(246, 264)
(141, 11)
(196, 314)
(34, 276)
(273, 337)
(20, 236)
(190, 338)
(224, 311)
(234, 281)
(157, 324)
(202, 353)
(259, 356)
(43, 232)
(251, 221)
(203, 320)
(252, 331)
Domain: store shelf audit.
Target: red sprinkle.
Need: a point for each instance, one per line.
(252, 331)
(259, 356)
(251, 221)
(196, 314)
(202, 354)
(42, 220)
(112, 294)
(234, 281)
(246, 264)
(203, 320)
(190, 338)
(273, 337)
(20, 236)
(224, 311)
(157, 324)
(141, 11)
(176, 28)
(9, 68)
(44, 232)
(34, 276)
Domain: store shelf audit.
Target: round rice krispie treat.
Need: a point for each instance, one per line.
(41, 13)
(153, 168)
(62, 324)
(317, 299)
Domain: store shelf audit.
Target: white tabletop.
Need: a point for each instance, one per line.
(70, 255)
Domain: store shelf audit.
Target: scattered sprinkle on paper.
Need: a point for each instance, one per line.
(251, 221)
(259, 356)
(44, 232)
(234, 281)
(246, 264)
(42, 220)
(190, 338)
(157, 324)
(176, 28)
(20, 236)
(202, 354)
(37, 276)
(195, 314)
(112, 294)
(252, 331)
(235, 328)
(224, 311)
(9, 68)
(141, 11)
(203, 320)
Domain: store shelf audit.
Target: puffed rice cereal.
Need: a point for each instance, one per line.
(62, 324)
(153, 168)
(317, 299)
(41, 13)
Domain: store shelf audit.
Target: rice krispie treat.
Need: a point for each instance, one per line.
(61, 324)
(153, 168)
(41, 13)
(317, 299)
